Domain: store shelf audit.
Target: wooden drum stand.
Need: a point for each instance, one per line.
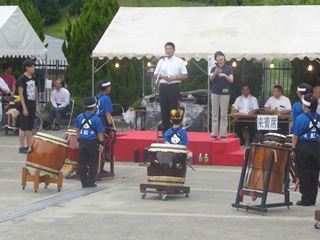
(37, 179)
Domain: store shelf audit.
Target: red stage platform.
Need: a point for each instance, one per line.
(223, 153)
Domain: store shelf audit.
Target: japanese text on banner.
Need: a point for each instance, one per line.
(267, 122)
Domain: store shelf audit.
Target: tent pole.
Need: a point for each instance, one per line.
(208, 111)
(92, 70)
(143, 80)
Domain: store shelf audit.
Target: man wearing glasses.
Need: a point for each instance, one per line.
(60, 99)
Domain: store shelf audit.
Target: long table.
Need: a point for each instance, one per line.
(238, 117)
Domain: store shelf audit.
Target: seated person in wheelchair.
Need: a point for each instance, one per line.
(176, 134)
(246, 104)
(13, 113)
(60, 99)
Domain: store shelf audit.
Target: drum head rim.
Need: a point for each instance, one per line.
(52, 139)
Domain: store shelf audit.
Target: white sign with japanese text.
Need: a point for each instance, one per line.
(267, 122)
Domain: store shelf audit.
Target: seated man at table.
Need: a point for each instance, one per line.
(60, 99)
(279, 105)
(246, 104)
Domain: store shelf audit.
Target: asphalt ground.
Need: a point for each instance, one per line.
(116, 210)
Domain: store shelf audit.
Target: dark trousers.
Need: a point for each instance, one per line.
(251, 127)
(169, 95)
(308, 166)
(55, 113)
(88, 161)
(27, 122)
(283, 128)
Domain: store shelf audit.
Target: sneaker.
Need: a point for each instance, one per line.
(56, 128)
(91, 185)
(305, 203)
(223, 138)
(104, 172)
(213, 138)
(23, 150)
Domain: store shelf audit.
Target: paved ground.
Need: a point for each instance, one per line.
(117, 211)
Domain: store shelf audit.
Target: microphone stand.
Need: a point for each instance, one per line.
(156, 98)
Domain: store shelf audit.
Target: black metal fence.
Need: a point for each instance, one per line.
(51, 70)
(277, 74)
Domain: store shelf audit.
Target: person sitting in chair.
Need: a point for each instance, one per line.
(246, 104)
(176, 134)
(60, 99)
(280, 105)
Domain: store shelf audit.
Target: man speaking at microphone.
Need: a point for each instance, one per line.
(172, 71)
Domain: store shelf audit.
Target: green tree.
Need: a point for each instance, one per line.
(49, 10)
(81, 38)
(75, 6)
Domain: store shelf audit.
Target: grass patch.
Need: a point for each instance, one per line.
(58, 29)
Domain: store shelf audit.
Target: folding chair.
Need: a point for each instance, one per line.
(117, 117)
(70, 113)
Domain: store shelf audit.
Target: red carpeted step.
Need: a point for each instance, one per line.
(219, 152)
(234, 158)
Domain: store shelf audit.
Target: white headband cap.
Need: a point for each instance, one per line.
(301, 89)
(306, 103)
(90, 106)
(106, 84)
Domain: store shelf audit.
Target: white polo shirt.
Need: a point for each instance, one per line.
(61, 97)
(283, 103)
(173, 66)
(246, 104)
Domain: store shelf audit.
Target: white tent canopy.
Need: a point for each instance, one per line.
(17, 37)
(268, 32)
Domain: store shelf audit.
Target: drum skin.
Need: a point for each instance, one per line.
(47, 154)
(72, 150)
(288, 141)
(274, 139)
(261, 155)
(167, 164)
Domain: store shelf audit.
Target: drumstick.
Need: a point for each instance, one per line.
(99, 163)
(190, 166)
(275, 155)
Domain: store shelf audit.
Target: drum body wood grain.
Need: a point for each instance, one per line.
(73, 149)
(259, 164)
(167, 164)
(47, 154)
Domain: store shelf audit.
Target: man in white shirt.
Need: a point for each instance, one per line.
(60, 99)
(171, 71)
(4, 87)
(281, 104)
(245, 104)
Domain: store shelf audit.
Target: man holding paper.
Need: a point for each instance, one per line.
(171, 71)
